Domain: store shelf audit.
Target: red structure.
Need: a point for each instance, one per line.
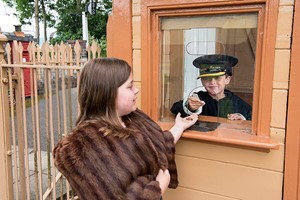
(20, 36)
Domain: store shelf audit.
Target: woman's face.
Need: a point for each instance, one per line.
(215, 85)
(126, 97)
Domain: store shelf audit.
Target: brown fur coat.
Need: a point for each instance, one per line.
(112, 168)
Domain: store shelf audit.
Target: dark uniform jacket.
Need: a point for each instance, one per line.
(108, 167)
(230, 104)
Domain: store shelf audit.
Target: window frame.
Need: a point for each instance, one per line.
(264, 66)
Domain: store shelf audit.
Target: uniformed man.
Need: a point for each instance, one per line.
(215, 74)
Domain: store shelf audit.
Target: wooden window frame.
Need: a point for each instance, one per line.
(151, 11)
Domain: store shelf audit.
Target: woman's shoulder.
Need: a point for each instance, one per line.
(80, 140)
(138, 115)
(87, 127)
(85, 130)
(138, 118)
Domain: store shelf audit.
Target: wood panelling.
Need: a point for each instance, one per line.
(281, 71)
(284, 27)
(229, 180)
(278, 135)
(292, 168)
(137, 65)
(119, 30)
(136, 28)
(272, 160)
(191, 194)
(176, 64)
(279, 108)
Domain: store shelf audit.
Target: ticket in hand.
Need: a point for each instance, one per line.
(195, 95)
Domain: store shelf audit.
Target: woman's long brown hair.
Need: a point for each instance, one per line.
(97, 92)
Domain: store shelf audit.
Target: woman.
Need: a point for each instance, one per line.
(116, 151)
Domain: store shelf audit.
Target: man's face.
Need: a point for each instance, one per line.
(215, 85)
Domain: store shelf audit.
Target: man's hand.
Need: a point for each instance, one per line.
(236, 116)
(194, 103)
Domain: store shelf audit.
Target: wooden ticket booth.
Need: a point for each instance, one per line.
(255, 159)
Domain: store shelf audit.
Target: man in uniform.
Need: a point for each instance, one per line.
(215, 74)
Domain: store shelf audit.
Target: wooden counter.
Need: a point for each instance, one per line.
(236, 132)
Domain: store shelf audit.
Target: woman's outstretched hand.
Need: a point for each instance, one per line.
(185, 122)
(182, 124)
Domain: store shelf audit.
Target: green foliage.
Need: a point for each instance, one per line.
(25, 10)
(68, 20)
(69, 25)
(101, 42)
(103, 46)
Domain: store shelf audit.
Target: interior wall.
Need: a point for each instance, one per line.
(175, 86)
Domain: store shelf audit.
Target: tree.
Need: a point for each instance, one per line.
(36, 20)
(69, 25)
(42, 12)
(24, 13)
(68, 20)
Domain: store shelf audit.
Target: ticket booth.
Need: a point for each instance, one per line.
(160, 39)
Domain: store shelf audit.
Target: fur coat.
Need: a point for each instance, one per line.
(112, 168)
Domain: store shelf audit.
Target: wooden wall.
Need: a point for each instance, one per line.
(211, 171)
(292, 155)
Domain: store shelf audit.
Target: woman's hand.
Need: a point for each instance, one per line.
(181, 124)
(163, 177)
(185, 122)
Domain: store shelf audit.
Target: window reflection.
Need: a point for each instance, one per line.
(183, 39)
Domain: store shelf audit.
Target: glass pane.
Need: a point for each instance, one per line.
(184, 39)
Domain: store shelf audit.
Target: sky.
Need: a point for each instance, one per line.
(8, 20)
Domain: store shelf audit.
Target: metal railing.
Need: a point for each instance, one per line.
(39, 106)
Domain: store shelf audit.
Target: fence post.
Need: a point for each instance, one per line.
(5, 189)
(3, 39)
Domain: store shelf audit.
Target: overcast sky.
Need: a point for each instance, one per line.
(8, 20)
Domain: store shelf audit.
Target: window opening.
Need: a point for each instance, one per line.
(185, 38)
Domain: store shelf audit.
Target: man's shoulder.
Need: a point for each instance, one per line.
(233, 96)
